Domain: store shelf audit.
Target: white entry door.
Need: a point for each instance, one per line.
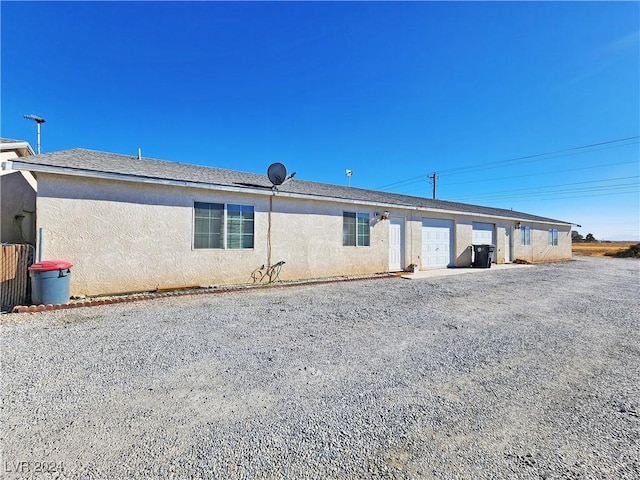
(507, 244)
(396, 244)
(436, 243)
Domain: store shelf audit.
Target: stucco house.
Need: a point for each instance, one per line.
(138, 224)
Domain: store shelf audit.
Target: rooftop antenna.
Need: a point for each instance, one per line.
(38, 120)
(348, 173)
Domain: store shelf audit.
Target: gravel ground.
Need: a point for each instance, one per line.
(523, 373)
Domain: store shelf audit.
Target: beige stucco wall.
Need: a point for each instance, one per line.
(540, 250)
(463, 232)
(124, 236)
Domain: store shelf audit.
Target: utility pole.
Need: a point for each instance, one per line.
(433, 179)
(38, 120)
(349, 173)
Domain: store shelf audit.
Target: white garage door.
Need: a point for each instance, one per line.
(436, 243)
(483, 234)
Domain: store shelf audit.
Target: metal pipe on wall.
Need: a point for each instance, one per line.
(40, 243)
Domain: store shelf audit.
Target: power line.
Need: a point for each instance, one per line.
(519, 190)
(631, 187)
(484, 167)
(532, 175)
(582, 196)
(620, 186)
(485, 180)
(539, 187)
(412, 180)
(527, 159)
(499, 162)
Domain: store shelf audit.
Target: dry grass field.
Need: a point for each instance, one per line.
(600, 249)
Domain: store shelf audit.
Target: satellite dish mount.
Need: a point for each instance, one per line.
(277, 174)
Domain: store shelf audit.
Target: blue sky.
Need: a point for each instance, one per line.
(481, 93)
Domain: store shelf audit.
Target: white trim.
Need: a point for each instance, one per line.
(18, 165)
(16, 145)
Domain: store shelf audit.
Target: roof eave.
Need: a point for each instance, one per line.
(39, 168)
(21, 165)
(16, 146)
(18, 164)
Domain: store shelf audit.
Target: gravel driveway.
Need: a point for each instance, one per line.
(523, 373)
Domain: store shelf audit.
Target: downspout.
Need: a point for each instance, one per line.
(40, 243)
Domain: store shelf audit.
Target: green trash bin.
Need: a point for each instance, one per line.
(50, 282)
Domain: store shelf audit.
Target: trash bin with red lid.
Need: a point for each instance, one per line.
(50, 282)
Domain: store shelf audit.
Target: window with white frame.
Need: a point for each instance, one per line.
(525, 235)
(553, 237)
(218, 225)
(356, 229)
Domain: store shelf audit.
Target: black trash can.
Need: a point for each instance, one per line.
(50, 282)
(482, 256)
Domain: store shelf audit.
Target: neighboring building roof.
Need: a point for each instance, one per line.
(20, 147)
(82, 162)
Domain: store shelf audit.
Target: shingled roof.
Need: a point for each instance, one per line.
(84, 162)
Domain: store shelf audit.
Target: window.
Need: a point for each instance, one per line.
(525, 235)
(222, 226)
(208, 225)
(355, 229)
(553, 237)
(239, 226)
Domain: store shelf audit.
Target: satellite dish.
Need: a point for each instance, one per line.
(277, 173)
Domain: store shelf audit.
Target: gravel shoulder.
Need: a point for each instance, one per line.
(523, 373)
